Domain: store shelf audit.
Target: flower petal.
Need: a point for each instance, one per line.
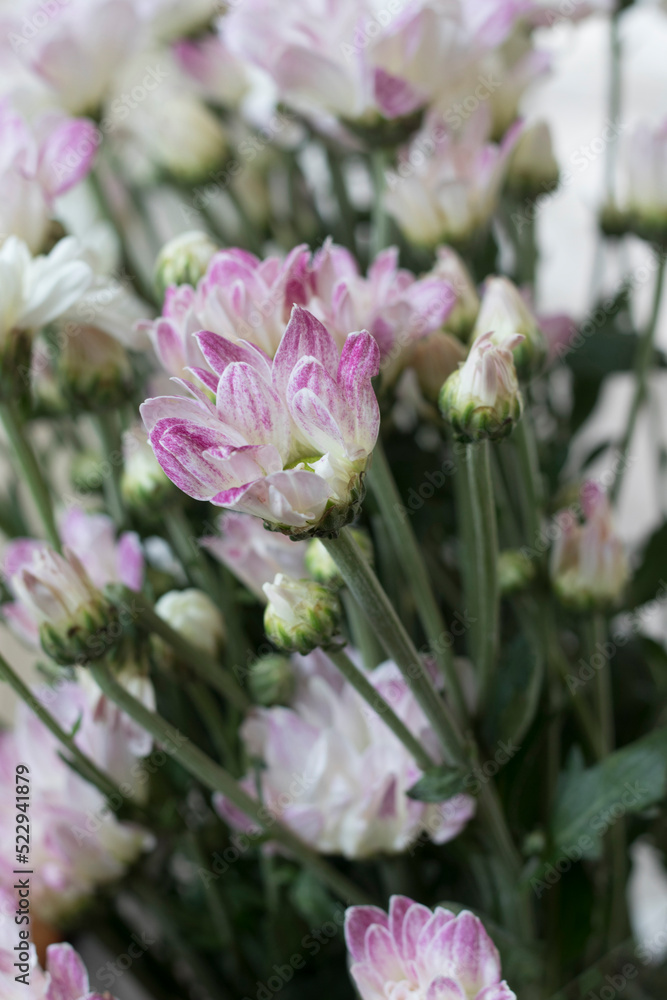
(304, 337)
(69, 979)
(357, 921)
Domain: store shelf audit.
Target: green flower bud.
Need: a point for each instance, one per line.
(271, 680)
(301, 615)
(183, 260)
(482, 399)
(515, 571)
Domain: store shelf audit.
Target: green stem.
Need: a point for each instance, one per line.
(366, 588)
(253, 237)
(217, 779)
(213, 720)
(85, 765)
(411, 560)
(198, 660)
(374, 699)
(531, 493)
(362, 634)
(31, 471)
(379, 218)
(643, 358)
(347, 213)
(485, 541)
(109, 434)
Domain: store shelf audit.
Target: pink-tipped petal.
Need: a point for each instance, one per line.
(304, 336)
(357, 921)
(69, 979)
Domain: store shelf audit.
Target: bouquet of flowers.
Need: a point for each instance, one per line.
(331, 669)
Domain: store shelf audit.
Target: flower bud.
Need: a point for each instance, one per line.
(301, 615)
(143, 484)
(72, 615)
(450, 267)
(505, 313)
(533, 168)
(641, 186)
(185, 139)
(515, 571)
(588, 566)
(322, 567)
(193, 615)
(434, 358)
(272, 680)
(482, 399)
(93, 368)
(183, 260)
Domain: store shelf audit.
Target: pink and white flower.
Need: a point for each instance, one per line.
(38, 163)
(287, 440)
(589, 567)
(254, 555)
(337, 775)
(446, 185)
(239, 297)
(391, 303)
(77, 843)
(78, 51)
(58, 590)
(64, 978)
(482, 399)
(413, 951)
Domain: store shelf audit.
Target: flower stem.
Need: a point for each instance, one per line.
(485, 562)
(86, 767)
(531, 495)
(363, 636)
(366, 588)
(347, 213)
(107, 429)
(411, 559)
(31, 471)
(379, 218)
(200, 662)
(372, 697)
(217, 779)
(642, 364)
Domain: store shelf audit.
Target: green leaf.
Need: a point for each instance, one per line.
(515, 692)
(439, 784)
(649, 581)
(590, 801)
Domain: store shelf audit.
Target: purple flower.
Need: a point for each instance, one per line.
(65, 976)
(422, 954)
(287, 440)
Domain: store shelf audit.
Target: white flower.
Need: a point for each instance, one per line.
(37, 290)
